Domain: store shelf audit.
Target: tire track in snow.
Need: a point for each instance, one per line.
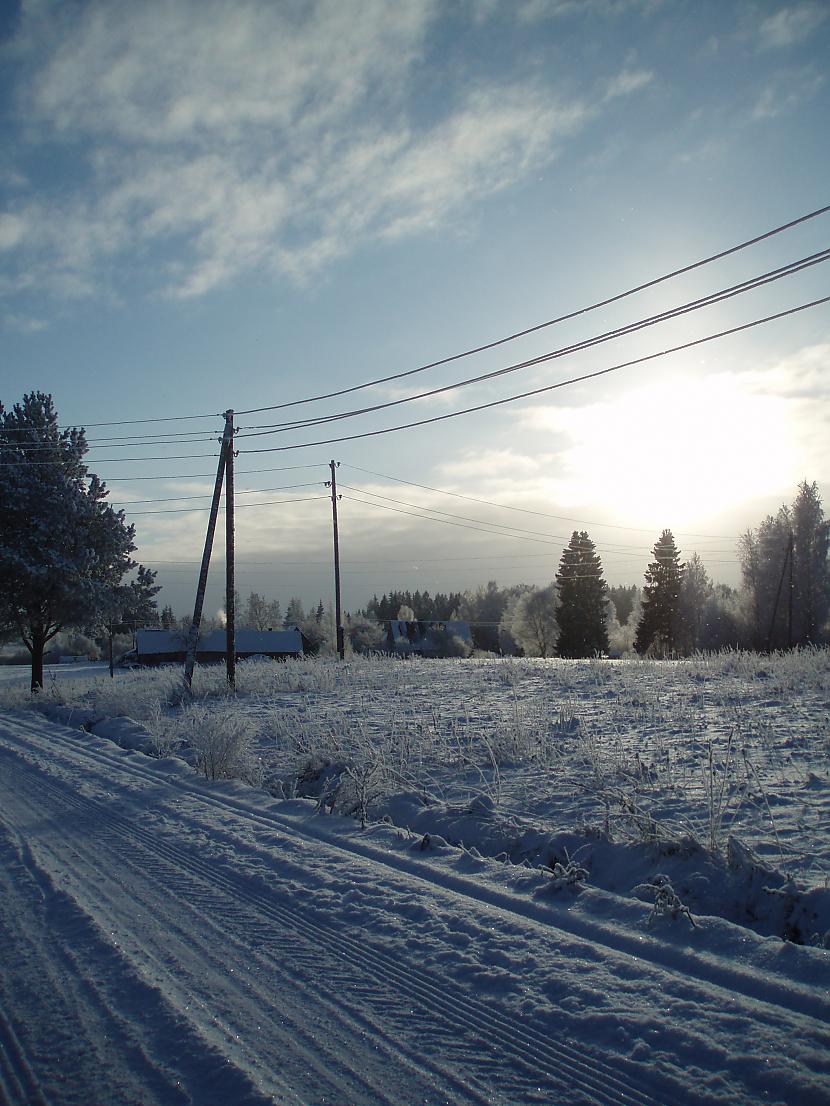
(713, 972)
(18, 1082)
(304, 1048)
(567, 1069)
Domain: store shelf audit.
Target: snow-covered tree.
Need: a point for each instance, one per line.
(811, 568)
(582, 600)
(364, 635)
(295, 614)
(657, 628)
(793, 544)
(260, 614)
(63, 550)
(695, 590)
(533, 625)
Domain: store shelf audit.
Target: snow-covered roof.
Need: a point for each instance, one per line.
(150, 642)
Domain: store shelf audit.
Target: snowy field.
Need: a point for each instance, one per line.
(525, 881)
(715, 769)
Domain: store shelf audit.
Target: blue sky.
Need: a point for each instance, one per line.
(208, 205)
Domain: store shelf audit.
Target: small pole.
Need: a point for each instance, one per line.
(230, 598)
(112, 662)
(790, 596)
(338, 617)
(787, 557)
(193, 633)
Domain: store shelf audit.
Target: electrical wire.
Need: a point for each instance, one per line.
(179, 498)
(547, 387)
(212, 475)
(551, 322)
(614, 550)
(528, 511)
(564, 351)
(239, 506)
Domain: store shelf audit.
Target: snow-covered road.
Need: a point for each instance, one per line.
(163, 940)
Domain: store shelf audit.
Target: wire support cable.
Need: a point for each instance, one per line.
(551, 322)
(564, 351)
(547, 387)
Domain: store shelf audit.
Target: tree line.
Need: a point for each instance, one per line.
(65, 566)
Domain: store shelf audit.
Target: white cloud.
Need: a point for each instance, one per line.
(785, 92)
(628, 81)
(253, 137)
(791, 25)
(12, 231)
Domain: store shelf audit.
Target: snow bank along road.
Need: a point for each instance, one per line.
(163, 940)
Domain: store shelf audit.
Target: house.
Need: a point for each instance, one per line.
(428, 639)
(155, 647)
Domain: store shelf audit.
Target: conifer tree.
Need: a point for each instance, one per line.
(63, 550)
(582, 600)
(657, 628)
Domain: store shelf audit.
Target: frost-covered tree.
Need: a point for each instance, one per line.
(582, 600)
(260, 614)
(63, 550)
(364, 635)
(295, 614)
(657, 628)
(624, 597)
(695, 590)
(533, 624)
(791, 546)
(811, 569)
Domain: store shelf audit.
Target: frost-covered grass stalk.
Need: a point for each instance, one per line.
(645, 751)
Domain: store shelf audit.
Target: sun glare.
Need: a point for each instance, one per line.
(678, 453)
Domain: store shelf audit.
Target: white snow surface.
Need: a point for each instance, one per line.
(169, 939)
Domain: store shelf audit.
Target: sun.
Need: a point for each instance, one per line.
(680, 451)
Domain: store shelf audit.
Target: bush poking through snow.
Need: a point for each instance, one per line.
(665, 901)
(568, 874)
(221, 740)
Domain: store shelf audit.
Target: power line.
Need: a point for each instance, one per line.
(551, 322)
(109, 460)
(180, 498)
(547, 387)
(528, 511)
(191, 510)
(211, 475)
(614, 551)
(564, 351)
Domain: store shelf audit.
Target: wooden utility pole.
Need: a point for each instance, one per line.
(788, 559)
(193, 634)
(230, 596)
(790, 596)
(338, 616)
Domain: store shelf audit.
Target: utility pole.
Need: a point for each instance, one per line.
(788, 558)
(338, 617)
(230, 597)
(193, 634)
(790, 596)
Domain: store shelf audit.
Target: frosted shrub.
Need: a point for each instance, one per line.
(221, 739)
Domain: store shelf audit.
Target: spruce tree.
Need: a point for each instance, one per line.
(657, 628)
(582, 600)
